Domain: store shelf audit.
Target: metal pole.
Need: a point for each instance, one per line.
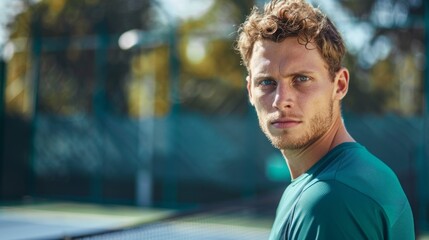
(2, 87)
(99, 100)
(170, 167)
(169, 186)
(36, 52)
(144, 180)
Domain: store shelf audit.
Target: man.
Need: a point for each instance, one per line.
(295, 81)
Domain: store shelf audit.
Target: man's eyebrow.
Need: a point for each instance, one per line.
(303, 72)
(295, 73)
(262, 76)
(300, 72)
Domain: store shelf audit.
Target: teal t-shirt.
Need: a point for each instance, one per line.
(348, 194)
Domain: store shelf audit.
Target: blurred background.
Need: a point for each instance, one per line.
(142, 103)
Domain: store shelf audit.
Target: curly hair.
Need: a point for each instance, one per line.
(292, 18)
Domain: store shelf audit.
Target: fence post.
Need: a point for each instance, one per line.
(36, 52)
(99, 101)
(2, 88)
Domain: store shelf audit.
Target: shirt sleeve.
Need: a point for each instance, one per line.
(403, 228)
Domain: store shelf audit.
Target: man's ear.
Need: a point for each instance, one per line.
(341, 83)
(249, 89)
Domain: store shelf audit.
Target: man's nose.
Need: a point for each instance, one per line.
(283, 96)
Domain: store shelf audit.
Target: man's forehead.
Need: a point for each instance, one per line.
(266, 52)
(292, 44)
(261, 46)
(288, 55)
(260, 58)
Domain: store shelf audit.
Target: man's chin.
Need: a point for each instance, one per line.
(282, 139)
(285, 145)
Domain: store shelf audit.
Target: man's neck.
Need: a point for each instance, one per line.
(300, 160)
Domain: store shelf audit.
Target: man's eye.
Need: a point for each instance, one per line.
(267, 82)
(301, 78)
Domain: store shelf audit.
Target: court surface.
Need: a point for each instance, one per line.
(64, 220)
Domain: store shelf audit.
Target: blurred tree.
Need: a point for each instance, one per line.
(387, 72)
(17, 89)
(73, 35)
(212, 80)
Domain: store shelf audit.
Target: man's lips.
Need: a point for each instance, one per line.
(285, 123)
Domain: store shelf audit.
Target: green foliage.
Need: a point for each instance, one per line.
(79, 56)
(392, 83)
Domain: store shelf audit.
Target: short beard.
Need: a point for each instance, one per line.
(319, 125)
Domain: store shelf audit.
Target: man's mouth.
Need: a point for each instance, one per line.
(285, 123)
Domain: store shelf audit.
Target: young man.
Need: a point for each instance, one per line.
(339, 190)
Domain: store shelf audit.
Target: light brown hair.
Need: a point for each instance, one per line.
(292, 18)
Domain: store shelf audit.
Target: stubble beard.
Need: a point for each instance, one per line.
(319, 125)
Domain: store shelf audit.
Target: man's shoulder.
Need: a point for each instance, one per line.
(359, 169)
(328, 194)
(358, 179)
(335, 209)
(351, 166)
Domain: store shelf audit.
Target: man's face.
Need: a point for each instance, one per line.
(292, 92)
